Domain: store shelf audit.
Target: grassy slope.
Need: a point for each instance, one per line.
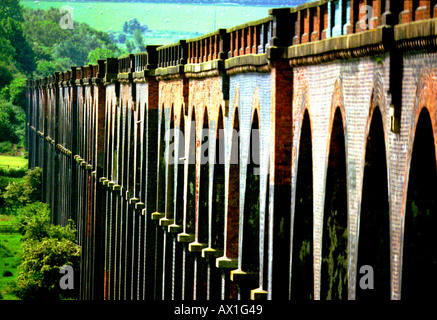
(12, 162)
(10, 248)
(10, 244)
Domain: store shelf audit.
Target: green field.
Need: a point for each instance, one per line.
(10, 248)
(7, 162)
(159, 17)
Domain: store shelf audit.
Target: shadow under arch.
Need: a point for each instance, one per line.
(419, 276)
(217, 218)
(218, 188)
(302, 279)
(334, 246)
(202, 224)
(191, 177)
(232, 224)
(250, 257)
(374, 234)
(160, 197)
(200, 264)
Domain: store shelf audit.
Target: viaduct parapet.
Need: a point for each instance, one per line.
(273, 160)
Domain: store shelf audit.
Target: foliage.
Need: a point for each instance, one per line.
(12, 122)
(12, 173)
(132, 25)
(19, 194)
(58, 49)
(16, 92)
(39, 273)
(23, 56)
(99, 54)
(139, 41)
(42, 259)
(17, 62)
(46, 248)
(32, 220)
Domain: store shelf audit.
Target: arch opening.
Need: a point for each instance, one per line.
(233, 192)
(334, 246)
(250, 253)
(419, 277)
(218, 191)
(160, 199)
(191, 178)
(374, 236)
(202, 226)
(302, 283)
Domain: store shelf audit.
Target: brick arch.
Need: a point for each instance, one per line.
(304, 105)
(236, 104)
(206, 115)
(337, 101)
(378, 101)
(255, 107)
(300, 105)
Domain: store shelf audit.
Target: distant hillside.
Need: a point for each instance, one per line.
(271, 3)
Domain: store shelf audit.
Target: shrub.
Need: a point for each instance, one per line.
(19, 194)
(33, 221)
(46, 248)
(39, 272)
(6, 146)
(13, 172)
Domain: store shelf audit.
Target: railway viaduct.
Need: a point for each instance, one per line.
(272, 160)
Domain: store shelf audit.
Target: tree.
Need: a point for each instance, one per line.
(58, 49)
(138, 37)
(121, 38)
(100, 53)
(12, 120)
(24, 56)
(16, 91)
(46, 68)
(130, 46)
(12, 9)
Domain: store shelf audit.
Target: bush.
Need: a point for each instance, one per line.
(13, 172)
(32, 221)
(6, 146)
(19, 194)
(46, 248)
(39, 272)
